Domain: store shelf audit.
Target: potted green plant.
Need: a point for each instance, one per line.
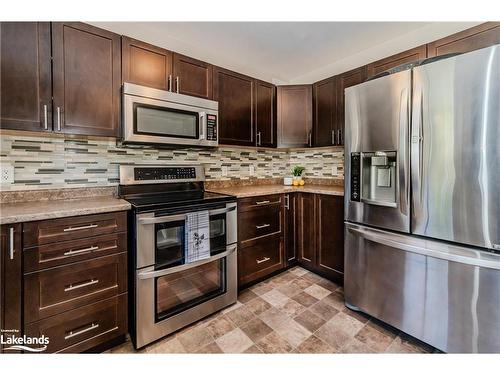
(297, 171)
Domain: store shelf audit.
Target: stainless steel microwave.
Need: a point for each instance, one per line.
(163, 117)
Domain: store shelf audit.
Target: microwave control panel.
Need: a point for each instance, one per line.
(355, 176)
(211, 127)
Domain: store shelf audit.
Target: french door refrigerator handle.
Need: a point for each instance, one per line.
(180, 217)
(152, 274)
(404, 166)
(416, 146)
(384, 238)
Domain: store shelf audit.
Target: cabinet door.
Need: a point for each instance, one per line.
(26, 81)
(294, 116)
(306, 229)
(145, 64)
(265, 114)
(235, 94)
(481, 36)
(330, 235)
(86, 79)
(405, 57)
(325, 110)
(192, 77)
(290, 228)
(10, 279)
(345, 80)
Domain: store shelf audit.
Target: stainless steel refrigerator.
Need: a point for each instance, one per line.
(422, 201)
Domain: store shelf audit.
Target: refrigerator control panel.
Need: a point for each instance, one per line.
(355, 176)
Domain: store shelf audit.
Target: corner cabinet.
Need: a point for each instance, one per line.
(294, 116)
(265, 114)
(320, 234)
(10, 281)
(236, 94)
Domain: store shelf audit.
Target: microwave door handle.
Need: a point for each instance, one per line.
(203, 124)
(152, 274)
(181, 217)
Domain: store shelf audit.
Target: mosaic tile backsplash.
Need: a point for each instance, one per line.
(48, 163)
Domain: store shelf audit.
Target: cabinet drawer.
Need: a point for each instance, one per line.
(71, 228)
(259, 222)
(59, 289)
(57, 254)
(83, 328)
(251, 203)
(259, 258)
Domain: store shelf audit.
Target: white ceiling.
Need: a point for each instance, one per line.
(287, 52)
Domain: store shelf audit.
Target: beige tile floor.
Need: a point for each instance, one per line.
(294, 312)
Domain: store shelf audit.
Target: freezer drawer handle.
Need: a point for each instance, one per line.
(464, 259)
(77, 333)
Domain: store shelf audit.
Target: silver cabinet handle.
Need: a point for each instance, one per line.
(262, 226)
(262, 202)
(310, 139)
(45, 117)
(58, 118)
(82, 285)
(76, 333)
(181, 217)
(72, 229)
(170, 82)
(333, 137)
(86, 250)
(177, 82)
(287, 202)
(258, 139)
(11, 243)
(339, 137)
(265, 259)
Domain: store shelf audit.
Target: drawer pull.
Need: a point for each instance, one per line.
(265, 259)
(77, 333)
(71, 229)
(82, 285)
(76, 252)
(262, 226)
(262, 202)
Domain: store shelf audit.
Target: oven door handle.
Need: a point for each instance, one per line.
(168, 271)
(180, 217)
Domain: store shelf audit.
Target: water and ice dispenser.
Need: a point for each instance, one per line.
(373, 177)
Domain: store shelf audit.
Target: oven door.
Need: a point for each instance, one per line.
(169, 299)
(148, 120)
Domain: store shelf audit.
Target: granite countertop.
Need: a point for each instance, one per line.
(257, 190)
(50, 209)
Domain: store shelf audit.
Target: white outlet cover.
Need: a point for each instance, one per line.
(334, 170)
(224, 170)
(6, 174)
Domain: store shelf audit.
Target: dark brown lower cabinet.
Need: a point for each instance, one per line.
(10, 281)
(320, 234)
(290, 228)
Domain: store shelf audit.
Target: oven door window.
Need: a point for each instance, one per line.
(165, 122)
(218, 240)
(185, 289)
(170, 244)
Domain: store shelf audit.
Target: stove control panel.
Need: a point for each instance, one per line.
(164, 173)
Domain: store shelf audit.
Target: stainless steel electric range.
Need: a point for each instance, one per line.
(169, 293)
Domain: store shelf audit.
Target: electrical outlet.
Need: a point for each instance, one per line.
(252, 170)
(7, 174)
(224, 171)
(334, 170)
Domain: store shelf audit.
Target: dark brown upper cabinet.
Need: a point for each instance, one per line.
(345, 80)
(295, 116)
(481, 36)
(414, 54)
(325, 112)
(192, 77)
(265, 114)
(145, 64)
(26, 93)
(235, 94)
(86, 79)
